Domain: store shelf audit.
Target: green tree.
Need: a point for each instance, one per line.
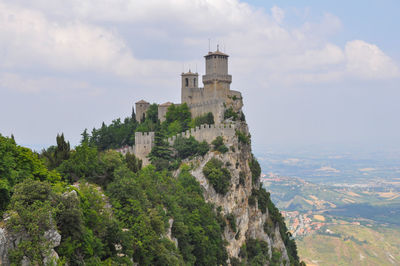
(177, 119)
(83, 163)
(31, 214)
(187, 147)
(255, 169)
(133, 163)
(218, 176)
(219, 145)
(17, 164)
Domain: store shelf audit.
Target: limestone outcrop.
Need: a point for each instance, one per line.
(10, 240)
(249, 219)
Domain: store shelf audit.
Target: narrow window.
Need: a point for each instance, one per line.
(186, 82)
(194, 82)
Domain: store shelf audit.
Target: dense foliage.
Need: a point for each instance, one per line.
(218, 176)
(230, 113)
(115, 135)
(109, 210)
(188, 147)
(54, 155)
(255, 252)
(17, 164)
(144, 203)
(218, 145)
(255, 169)
(242, 137)
(177, 119)
(206, 119)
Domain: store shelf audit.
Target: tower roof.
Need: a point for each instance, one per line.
(166, 104)
(190, 73)
(142, 101)
(218, 52)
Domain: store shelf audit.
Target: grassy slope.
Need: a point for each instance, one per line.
(381, 248)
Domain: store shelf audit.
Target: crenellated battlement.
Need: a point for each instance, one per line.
(207, 133)
(144, 138)
(215, 97)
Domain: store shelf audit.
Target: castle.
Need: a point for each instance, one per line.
(215, 97)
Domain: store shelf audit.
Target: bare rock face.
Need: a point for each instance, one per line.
(249, 219)
(3, 247)
(9, 241)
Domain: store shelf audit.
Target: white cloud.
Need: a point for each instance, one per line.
(278, 14)
(256, 39)
(29, 40)
(367, 61)
(24, 84)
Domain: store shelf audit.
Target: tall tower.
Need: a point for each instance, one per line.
(217, 80)
(190, 84)
(141, 109)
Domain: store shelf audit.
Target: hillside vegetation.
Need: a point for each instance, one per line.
(109, 210)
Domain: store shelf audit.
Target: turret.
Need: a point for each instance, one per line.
(190, 82)
(141, 109)
(216, 68)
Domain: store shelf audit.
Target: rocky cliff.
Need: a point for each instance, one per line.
(239, 205)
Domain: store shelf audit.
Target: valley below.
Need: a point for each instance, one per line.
(340, 211)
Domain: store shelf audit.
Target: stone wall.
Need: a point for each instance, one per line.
(144, 142)
(141, 109)
(216, 107)
(208, 133)
(162, 110)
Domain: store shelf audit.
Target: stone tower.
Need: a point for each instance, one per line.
(144, 142)
(162, 110)
(190, 85)
(216, 80)
(141, 109)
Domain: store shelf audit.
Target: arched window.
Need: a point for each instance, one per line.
(186, 82)
(194, 82)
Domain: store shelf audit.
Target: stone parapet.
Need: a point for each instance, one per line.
(210, 78)
(207, 133)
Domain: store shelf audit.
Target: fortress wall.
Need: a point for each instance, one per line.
(162, 111)
(207, 133)
(141, 109)
(144, 142)
(215, 106)
(235, 93)
(192, 95)
(124, 150)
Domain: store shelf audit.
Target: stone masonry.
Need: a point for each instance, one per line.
(215, 97)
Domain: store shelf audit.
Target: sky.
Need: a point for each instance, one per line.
(313, 73)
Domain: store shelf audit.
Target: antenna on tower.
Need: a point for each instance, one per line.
(196, 67)
(209, 44)
(217, 47)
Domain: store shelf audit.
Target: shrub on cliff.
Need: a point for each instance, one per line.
(254, 252)
(242, 137)
(187, 147)
(230, 113)
(219, 145)
(218, 176)
(255, 169)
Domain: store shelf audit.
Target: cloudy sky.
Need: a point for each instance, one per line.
(311, 73)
